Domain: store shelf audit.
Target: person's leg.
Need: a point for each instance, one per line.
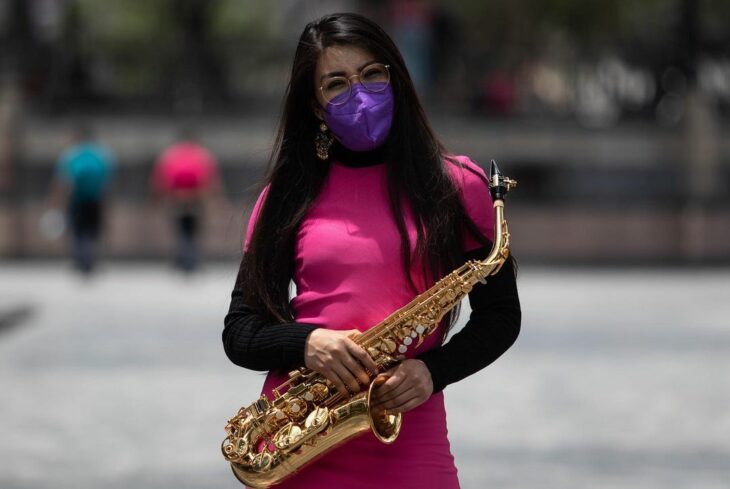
(85, 221)
(90, 234)
(75, 219)
(187, 246)
(85, 252)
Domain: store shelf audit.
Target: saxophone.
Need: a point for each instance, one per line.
(270, 440)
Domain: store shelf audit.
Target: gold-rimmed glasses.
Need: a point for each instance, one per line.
(374, 78)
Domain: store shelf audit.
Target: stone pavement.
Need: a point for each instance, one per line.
(618, 380)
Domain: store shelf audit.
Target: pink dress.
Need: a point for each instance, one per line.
(348, 274)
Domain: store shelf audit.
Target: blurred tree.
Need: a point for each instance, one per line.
(121, 47)
(71, 79)
(702, 162)
(199, 75)
(252, 20)
(197, 53)
(17, 43)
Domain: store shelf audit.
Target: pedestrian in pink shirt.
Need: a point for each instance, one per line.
(185, 176)
(363, 209)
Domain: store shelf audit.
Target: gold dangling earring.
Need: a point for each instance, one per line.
(323, 142)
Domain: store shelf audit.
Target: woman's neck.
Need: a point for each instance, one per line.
(357, 159)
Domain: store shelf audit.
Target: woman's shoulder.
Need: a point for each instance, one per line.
(467, 175)
(262, 195)
(254, 216)
(260, 200)
(473, 186)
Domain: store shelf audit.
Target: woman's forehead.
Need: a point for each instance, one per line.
(342, 58)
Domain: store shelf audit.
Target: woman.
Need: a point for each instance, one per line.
(363, 209)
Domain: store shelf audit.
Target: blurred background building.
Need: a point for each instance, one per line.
(613, 116)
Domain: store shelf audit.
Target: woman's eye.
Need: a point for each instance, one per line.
(335, 85)
(373, 74)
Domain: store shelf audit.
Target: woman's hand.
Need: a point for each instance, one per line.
(337, 357)
(409, 385)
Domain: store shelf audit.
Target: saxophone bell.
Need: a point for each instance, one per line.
(384, 425)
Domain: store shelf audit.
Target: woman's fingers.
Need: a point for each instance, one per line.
(409, 385)
(396, 378)
(332, 376)
(400, 400)
(362, 356)
(357, 370)
(335, 355)
(387, 400)
(396, 391)
(357, 361)
(349, 380)
(407, 406)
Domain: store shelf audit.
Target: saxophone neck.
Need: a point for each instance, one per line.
(499, 186)
(500, 245)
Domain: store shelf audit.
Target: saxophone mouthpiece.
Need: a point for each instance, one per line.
(499, 185)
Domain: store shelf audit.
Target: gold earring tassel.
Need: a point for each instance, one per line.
(323, 142)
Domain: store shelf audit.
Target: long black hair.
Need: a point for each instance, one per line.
(415, 170)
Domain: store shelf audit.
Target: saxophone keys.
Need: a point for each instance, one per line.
(259, 407)
(389, 345)
(318, 392)
(228, 448)
(261, 462)
(276, 418)
(296, 408)
(241, 447)
(317, 418)
(288, 436)
(407, 340)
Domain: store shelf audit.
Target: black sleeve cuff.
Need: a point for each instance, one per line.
(293, 343)
(438, 367)
(252, 341)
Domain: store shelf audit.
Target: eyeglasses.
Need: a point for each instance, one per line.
(374, 78)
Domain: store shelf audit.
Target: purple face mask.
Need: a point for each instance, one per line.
(363, 122)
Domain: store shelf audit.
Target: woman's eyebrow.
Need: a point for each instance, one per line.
(342, 73)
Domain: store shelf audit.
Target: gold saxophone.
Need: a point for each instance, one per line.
(270, 440)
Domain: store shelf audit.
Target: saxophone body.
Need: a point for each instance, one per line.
(270, 440)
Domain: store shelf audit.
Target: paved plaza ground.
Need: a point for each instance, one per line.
(618, 380)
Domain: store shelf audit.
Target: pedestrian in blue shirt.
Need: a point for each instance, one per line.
(82, 177)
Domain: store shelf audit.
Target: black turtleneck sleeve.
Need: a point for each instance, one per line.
(492, 328)
(253, 342)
